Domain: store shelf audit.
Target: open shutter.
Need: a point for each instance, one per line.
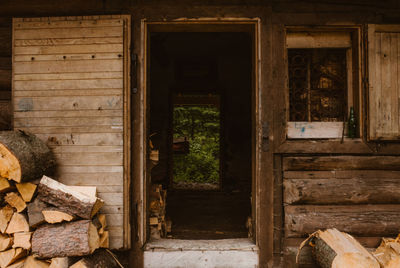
(384, 81)
(71, 88)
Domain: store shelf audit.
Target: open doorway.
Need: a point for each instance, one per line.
(201, 122)
(196, 147)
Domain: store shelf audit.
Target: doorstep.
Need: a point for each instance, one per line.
(176, 253)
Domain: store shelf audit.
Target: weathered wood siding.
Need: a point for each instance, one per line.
(68, 89)
(5, 73)
(384, 81)
(355, 194)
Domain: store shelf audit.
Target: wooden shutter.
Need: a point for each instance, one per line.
(384, 81)
(71, 88)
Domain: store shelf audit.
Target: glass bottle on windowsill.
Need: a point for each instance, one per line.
(351, 124)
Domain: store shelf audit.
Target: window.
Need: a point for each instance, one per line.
(320, 83)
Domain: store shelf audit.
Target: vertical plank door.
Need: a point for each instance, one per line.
(71, 88)
(384, 82)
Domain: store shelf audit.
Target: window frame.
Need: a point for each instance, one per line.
(326, 37)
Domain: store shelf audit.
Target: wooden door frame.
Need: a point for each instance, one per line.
(140, 176)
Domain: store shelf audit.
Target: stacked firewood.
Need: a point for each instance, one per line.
(159, 225)
(332, 248)
(46, 223)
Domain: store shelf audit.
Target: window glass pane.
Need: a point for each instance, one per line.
(317, 84)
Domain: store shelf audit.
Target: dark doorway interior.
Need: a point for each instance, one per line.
(204, 69)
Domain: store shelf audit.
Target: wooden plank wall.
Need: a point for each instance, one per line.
(5, 73)
(5, 59)
(384, 79)
(68, 84)
(355, 194)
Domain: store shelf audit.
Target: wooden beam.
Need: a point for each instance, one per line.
(357, 220)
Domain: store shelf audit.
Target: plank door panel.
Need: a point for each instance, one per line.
(384, 82)
(71, 88)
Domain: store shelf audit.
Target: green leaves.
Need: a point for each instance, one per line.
(201, 126)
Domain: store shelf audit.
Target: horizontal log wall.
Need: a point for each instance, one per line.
(355, 194)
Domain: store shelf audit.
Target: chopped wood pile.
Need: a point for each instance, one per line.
(334, 249)
(46, 223)
(388, 253)
(159, 225)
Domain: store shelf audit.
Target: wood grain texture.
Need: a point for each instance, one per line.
(68, 199)
(315, 130)
(67, 239)
(342, 191)
(358, 220)
(69, 89)
(318, 40)
(384, 82)
(34, 158)
(332, 163)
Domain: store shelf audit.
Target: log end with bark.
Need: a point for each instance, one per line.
(24, 157)
(100, 258)
(76, 238)
(335, 249)
(69, 199)
(388, 252)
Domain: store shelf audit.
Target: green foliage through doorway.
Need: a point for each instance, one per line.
(201, 127)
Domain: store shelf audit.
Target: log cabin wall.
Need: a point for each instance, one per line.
(301, 164)
(351, 180)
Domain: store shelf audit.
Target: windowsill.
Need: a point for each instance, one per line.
(314, 130)
(241, 244)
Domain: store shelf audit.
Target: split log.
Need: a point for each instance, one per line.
(153, 221)
(5, 242)
(335, 249)
(86, 190)
(18, 264)
(154, 155)
(22, 240)
(26, 190)
(16, 201)
(6, 214)
(59, 262)
(68, 199)
(10, 256)
(55, 216)
(100, 222)
(32, 262)
(35, 215)
(395, 263)
(24, 157)
(76, 238)
(388, 252)
(18, 223)
(100, 258)
(104, 240)
(4, 185)
(168, 226)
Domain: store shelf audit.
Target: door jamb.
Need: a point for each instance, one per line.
(181, 25)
